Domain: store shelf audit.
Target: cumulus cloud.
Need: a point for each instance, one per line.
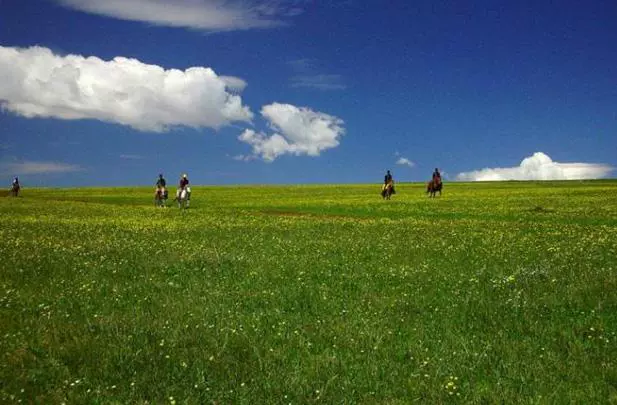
(38, 83)
(539, 166)
(297, 131)
(208, 15)
(30, 167)
(403, 161)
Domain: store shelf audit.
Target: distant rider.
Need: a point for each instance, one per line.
(388, 180)
(160, 192)
(184, 181)
(184, 184)
(436, 177)
(15, 186)
(161, 186)
(160, 182)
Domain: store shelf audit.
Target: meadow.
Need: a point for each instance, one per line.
(491, 293)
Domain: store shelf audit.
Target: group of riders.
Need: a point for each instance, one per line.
(432, 186)
(183, 193)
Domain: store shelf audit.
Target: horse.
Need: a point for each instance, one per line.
(160, 197)
(387, 190)
(14, 191)
(432, 187)
(183, 197)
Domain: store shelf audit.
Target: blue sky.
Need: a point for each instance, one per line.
(299, 91)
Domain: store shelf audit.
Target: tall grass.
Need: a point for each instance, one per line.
(493, 293)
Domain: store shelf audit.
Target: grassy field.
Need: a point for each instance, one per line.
(493, 293)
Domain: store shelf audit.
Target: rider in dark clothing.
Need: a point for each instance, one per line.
(160, 182)
(184, 181)
(161, 190)
(15, 186)
(387, 178)
(436, 177)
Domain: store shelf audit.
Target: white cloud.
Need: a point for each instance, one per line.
(209, 15)
(298, 131)
(233, 84)
(318, 81)
(37, 83)
(29, 167)
(539, 167)
(309, 76)
(403, 161)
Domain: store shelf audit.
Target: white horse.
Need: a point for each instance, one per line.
(183, 196)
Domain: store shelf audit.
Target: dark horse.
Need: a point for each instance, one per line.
(14, 191)
(432, 187)
(387, 190)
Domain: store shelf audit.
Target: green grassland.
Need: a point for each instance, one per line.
(492, 293)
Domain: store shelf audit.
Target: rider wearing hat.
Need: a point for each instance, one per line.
(184, 181)
(184, 184)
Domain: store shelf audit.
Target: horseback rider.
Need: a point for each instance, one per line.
(387, 178)
(15, 186)
(388, 181)
(184, 181)
(436, 177)
(184, 185)
(161, 186)
(160, 182)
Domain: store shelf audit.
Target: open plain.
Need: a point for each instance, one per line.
(492, 293)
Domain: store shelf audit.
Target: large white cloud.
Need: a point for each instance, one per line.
(210, 15)
(37, 83)
(539, 166)
(298, 131)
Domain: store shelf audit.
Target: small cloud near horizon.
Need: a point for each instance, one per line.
(308, 75)
(539, 166)
(403, 161)
(31, 167)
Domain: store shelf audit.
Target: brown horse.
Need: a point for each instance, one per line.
(160, 197)
(433, 186)
(387, 190)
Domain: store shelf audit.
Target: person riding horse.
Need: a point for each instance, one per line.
(388, 186)
(436, 177)
(160, 192)
(15, 187)
(435, 184)
(184, 187)
(161, 186)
